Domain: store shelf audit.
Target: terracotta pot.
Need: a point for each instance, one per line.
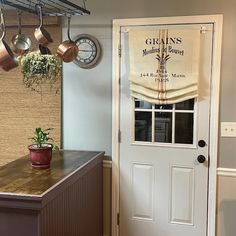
(40, 157)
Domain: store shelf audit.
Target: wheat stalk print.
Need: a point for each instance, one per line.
(163, 59)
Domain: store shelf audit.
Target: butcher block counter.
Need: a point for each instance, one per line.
(65, 200)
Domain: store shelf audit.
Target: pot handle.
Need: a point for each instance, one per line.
(19, 22)
(39, 10)
(68, 29)
(2, 23)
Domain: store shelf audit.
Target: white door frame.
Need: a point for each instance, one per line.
(217, 21)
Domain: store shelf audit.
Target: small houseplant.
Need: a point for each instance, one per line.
(39, 69)
(40, 149)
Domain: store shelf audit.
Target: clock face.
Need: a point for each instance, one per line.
(89, 51)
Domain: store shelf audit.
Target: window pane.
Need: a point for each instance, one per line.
(164, 107)
(142, 104)
(143, 126)
(163, 127)
(184, 128)
(186, 105)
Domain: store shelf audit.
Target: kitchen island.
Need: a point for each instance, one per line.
(65, 200)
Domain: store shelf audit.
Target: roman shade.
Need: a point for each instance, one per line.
(164, 64)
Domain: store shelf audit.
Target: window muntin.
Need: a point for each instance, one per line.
(164, 124)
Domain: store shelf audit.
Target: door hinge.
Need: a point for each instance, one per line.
(118, 219)
(119, 50)
(119, 136)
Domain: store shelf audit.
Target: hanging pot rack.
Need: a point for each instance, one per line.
(50, 7)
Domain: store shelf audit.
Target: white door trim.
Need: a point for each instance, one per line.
(217, 21)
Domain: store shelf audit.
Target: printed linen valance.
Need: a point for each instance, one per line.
(164, 65)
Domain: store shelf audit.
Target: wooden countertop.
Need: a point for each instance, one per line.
(19, 178)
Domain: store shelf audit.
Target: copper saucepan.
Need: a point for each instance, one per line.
(68, 50)
(7, 58)
(41, 34)
(20, 43)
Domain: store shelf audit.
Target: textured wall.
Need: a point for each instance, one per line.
(21, 110)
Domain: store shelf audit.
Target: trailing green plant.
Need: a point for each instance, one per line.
(39, 69)
(41, 137)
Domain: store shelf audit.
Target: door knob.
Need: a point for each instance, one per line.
(201, 159)
(201, 143)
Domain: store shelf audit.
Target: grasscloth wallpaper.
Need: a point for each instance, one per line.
(21, 109)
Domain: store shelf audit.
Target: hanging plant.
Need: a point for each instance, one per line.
(39, 69)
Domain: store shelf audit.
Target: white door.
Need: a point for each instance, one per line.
(163, 174)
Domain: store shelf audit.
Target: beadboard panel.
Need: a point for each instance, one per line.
(107, 185)
(12, 218)
(22, 110)
(78, 210)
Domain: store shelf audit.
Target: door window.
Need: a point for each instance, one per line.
(164, 124)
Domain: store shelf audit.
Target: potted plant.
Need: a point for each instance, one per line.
(41, 150)
(39, 69)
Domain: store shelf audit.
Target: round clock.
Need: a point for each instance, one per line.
(89, 51)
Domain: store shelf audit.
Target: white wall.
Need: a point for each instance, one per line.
(91, 89)
(87, 98)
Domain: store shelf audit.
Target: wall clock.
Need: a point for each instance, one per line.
(89, 51)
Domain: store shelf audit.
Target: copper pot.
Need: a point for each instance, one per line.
(41, 34)
(7, 58)
(20, 43)
(44, 50)
(68, 50)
